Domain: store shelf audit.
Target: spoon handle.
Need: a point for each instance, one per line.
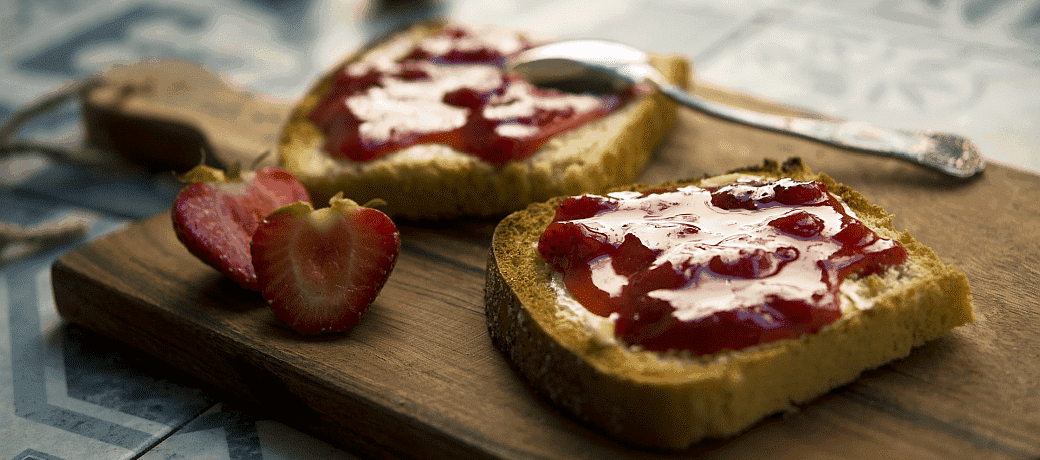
(949, 153)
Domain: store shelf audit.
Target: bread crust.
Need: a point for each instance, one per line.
(432, 181)
(670, 402)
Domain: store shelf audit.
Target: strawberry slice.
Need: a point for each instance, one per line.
(216, 214)
(321, 269)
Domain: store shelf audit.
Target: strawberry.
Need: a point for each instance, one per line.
(321, 269)
(216, 214)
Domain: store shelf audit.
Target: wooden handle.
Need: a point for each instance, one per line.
(160, 113)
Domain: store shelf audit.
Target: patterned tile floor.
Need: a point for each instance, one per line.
(971, 67)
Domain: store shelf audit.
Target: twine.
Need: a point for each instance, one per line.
(11, 143)
(17, 242)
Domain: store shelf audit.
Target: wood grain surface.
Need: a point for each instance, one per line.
(419, 377)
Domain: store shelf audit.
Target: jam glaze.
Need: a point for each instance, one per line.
(448, 89)
(713, 269)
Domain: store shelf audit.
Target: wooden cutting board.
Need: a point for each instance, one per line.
(419, 376)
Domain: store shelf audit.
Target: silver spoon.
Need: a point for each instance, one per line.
(606, 67)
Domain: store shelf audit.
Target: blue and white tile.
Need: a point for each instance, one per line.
(913, 65)
(71, 394)
(259, 44)
(227, 432)
(689, 27)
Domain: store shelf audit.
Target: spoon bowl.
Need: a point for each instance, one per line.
(594, 66)
(601, 66)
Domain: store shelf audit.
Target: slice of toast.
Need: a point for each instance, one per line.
(433, 181)
(668, 400)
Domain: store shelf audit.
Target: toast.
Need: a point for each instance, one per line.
(434, 181)
(669, 401)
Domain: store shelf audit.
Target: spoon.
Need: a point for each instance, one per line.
(600, 66)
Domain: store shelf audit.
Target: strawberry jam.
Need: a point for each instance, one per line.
(448, 89)
(712, 269)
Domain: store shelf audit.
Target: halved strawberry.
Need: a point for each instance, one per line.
(216, 214)
(321, 269)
